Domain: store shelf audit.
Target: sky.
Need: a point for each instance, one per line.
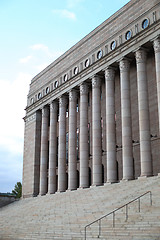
(33, 33)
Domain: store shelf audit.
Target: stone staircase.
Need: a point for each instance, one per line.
(64, 215)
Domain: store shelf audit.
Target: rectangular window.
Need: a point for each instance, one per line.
(77, 147)
(77, 106)
(67, 111)
(67, 147)
(101, 94)
(89, 138)
(102, 129)
(88, 99)
(58, 117)
(57, 152)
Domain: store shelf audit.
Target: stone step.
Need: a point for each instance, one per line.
(63, 216)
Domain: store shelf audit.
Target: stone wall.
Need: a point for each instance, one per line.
(6, 199)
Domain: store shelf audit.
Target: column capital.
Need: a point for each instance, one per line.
(124, 65)
(73, 95)
(156, 45)
(109, 73)
(63, 100)
(83, 88)
(45, 111)
(141, 55)
(96, 81)
(53, 106)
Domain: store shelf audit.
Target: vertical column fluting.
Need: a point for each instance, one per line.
(127, 151)
(72, 151)
(52, 185)
(110, 126)
(62, 181)
(156, 44)
(143, 108)
(44, 151)
(84, 168)
(96, 132)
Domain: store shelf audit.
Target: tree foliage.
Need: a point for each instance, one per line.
(17, 190)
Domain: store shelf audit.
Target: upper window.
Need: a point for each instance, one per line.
(65, 77)
(56, 84)
(99, 54)
(113, 45)
(39, 95)
(32, 101)
(87, 63)
(145, 23)
(75, 70)
(47, 90)
(128, 35)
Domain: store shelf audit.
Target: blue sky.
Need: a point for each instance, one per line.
(33, 34)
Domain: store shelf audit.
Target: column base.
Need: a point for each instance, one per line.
(50, 193)
(108, 182)
(144, 177)
(41, 195)
(80, 188)
(71, 190)
(126, 180)
(60, 191)
(96, 185)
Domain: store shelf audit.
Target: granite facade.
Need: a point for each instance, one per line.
(130, 31)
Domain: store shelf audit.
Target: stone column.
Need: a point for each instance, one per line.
(72, 151)
(52, 185)
(96, 132)
(44, 151)
(143, 108)
(127, 151)
(62, 145)
(84, 169)
(110, 126)
(156, 44)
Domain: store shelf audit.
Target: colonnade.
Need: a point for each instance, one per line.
(126, 123)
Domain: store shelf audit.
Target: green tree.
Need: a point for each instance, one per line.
(17, 190)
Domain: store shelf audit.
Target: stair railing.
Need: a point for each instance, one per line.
(114, 213)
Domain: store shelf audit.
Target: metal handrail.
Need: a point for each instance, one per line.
(114, 211)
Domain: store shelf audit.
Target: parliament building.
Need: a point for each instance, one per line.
(93, 115)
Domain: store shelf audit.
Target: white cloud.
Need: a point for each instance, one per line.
(53, 56)
(44, 56)
(39, 46)
(25, 60)
(73, 3)
(13, 99)
(64, 13)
